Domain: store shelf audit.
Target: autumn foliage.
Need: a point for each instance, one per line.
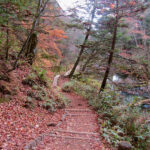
(49, 40)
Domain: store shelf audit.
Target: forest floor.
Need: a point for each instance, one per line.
(19, 125)
(78, 129)
(73, 128)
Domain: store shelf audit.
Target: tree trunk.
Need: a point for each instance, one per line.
(79, 57)
(136, 42)
(112, 50)
(84, 43)
(146, 49)
(35, 22)
(7, 41)
(87, 61)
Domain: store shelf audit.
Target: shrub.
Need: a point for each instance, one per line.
(125, 119)
(67, 87)
(49, 105)
(119, 122)
(30, 79)
(61, 100)
(83, 89)
(29, 103)
(41, 74)
(45, 56)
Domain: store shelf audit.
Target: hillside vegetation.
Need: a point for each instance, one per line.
(98, 51)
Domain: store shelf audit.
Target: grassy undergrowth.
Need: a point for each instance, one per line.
(61, 100)
(46, 99)
(118, 122)
(41, 91)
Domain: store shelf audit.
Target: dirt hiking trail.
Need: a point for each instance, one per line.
(78, 129)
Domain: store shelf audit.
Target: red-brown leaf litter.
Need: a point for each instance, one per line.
(19, 125)
(77, 130)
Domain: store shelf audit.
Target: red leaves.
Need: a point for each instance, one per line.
(19, 125)
(58, 34)
(142, 33)
(48, 41)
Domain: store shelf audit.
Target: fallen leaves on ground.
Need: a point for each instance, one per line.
(19, 125)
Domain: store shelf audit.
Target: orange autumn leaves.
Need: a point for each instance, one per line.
(112, 5)
(49, 39)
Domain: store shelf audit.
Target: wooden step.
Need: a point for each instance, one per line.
(79, 110)
(92, 115)
(76, 138)
(75, 132)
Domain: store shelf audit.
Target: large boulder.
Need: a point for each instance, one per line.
(124, 145)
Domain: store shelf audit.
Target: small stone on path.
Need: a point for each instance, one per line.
(52, 124)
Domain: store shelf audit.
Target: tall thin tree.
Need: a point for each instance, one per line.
(85, 40)
(112, 47)
(122, 8)
(40, 8)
